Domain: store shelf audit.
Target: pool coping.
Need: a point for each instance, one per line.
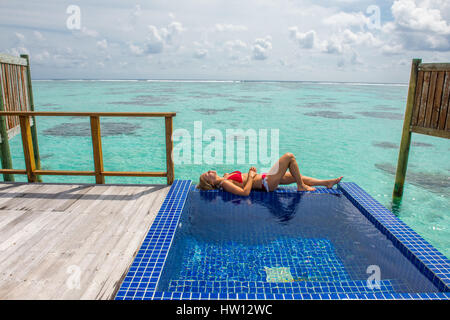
(142, 278)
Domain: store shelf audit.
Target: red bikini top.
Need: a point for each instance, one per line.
(235, 176)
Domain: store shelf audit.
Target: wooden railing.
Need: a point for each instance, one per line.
(427, 111)
(99, 173)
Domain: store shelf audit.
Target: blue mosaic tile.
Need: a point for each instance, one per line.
(144, 272)
(431, 262)
(142, 278)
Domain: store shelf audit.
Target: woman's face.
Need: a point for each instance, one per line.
(210, 176)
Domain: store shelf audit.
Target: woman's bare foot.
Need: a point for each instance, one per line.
(332, 182)
(305, 187)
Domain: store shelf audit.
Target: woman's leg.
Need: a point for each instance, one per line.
(278, 171)
(288, 179)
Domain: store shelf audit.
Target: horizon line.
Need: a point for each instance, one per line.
(222, 80)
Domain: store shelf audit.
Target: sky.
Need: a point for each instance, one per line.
(287, 40)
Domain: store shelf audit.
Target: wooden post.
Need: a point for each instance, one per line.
(169, 149)
(406, 133)
(27, 144)
(33, 128)
(97, 148)
(4, 145)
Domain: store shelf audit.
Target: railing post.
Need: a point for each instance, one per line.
(406, 133)
(169, 149)
(33, 128)
(97, 148)
(28, 152)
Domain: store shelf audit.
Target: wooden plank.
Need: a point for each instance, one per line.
(434, 67)
(424, 98)
(445, 103)
(417, 98)
(97, 148)
(447, 123)
(403, 155)
(100, 241)
(169, 150)
(134, 174)
(431, 132)
(4, 58)
(27, 144)
(89, 114)
(437, 100)
(430, 100)
(5, 153)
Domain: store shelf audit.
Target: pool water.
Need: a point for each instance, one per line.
(282, 243)
(334, 129)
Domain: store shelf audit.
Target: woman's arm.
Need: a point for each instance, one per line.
(231, 187)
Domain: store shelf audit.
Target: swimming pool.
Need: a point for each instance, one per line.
(327, 244)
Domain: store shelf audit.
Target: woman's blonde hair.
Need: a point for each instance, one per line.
(205, 185)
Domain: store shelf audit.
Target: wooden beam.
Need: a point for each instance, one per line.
(169, 151)
(5, 152)
(4, 58)
(431, 132)
(406, 133)
(27, 144)
(29, 91)
(88, 114)
(12, 171)
(97, 148)
(434, 67)
(89, 173)
(65, 173)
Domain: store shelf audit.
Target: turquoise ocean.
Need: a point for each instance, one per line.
(334, 129)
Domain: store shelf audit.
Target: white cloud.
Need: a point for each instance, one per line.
(261, 48)
(17, 51)
(306, 40)
(200, 53)
(158, 39)
(345, 19)
(136, 50)
(43, 56)
(20, 36)
(102, 44)
(235, 48)
(229, 27)
(155, 42)
(420, 17)
(89, 32)
(418, 26)
(332, 46)
(38, 36)
(172, 32)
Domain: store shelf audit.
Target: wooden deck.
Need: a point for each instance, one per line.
(71, 241)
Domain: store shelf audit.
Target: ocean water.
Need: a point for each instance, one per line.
(333, 129)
